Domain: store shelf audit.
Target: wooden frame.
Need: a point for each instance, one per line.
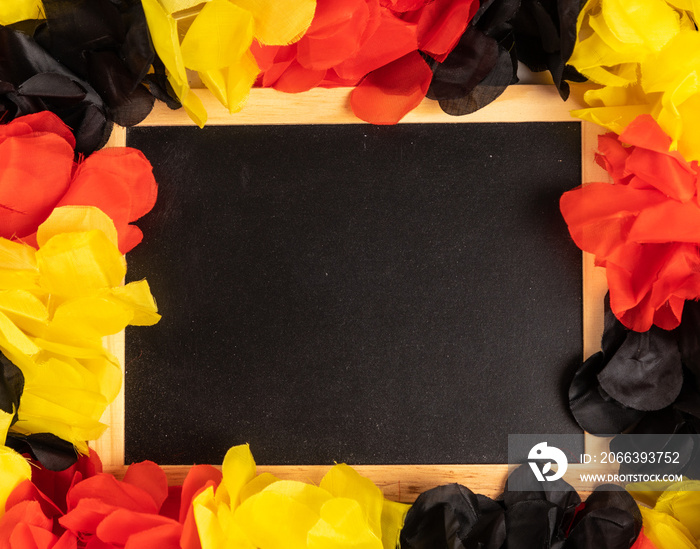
(520, 103)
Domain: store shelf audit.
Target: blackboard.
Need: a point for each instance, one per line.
(356, 294)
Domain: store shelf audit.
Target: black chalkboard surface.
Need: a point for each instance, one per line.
(358, 294)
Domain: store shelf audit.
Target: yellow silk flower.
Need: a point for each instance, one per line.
(13, 467)
(644, 58)
(216, 43)
(19, 10)
(673, 522)
(249, 511)
(56, 305)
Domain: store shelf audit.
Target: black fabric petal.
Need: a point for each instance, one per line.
(689, 338)
(594, 410)
(11, 387)
(646, 372)
(545, 34)
(453, 517)
(482, 64)
(610, 519)
(34, 81)
(52, 452)
(100, 46)
(105, 42)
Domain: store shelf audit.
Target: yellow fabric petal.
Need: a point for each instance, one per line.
(344, 482)
(18, 268)
(137, 298)
(87, 318)
(280, 516)
(393, 516)
(166, 41)
(216, 525)
(13, 470)
(72, 219)
(343, 524)
(5, 422)
(14, 342)
(280, 22)
(20, 10)
(682, 502)
(258, 484)
(231, 86)
(648, 23)
(25, 310)
(219, 35)
(171, 6)
(665, 532)
(238, 469)
(72, 264)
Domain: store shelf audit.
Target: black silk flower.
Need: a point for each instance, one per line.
(545, 34)
(644, 384)
(49, 450)
(538, 515)
(86, 62)
(482, 65)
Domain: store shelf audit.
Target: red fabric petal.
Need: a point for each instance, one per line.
(389, 93)
(25, 512)
(86, 516)
(335, 33)
(27, 491)
(162, 537)
(198, 478)
(27, 536)
(392, 40)
(56, 484)
(673, 178)
(283, 58)
(668, 221)
(110, 492)
(47, 121)
(66, 541)
(296, 79)
(149, 477)
(120, 182)
(404, 5)
(190, 535)
(442, 23)
(612, 156)
(35, 172)
(120, 525)
(171, 506)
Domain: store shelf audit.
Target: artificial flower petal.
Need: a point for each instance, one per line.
(387, 94)
(342, 481)
(220, 33)
(238, 470)
(666, 532)
(279, 22)
(342, 523)
(13, 470)
(649, 276)
(19, 10)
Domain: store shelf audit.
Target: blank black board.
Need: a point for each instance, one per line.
(369, 295)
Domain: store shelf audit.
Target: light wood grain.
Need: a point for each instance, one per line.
(523, 103)
(526, 103)
(110, 446)
(401, 482)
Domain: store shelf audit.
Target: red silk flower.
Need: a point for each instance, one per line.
(644, 228)
(85, 508)
(38, 173)
(371, 44)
